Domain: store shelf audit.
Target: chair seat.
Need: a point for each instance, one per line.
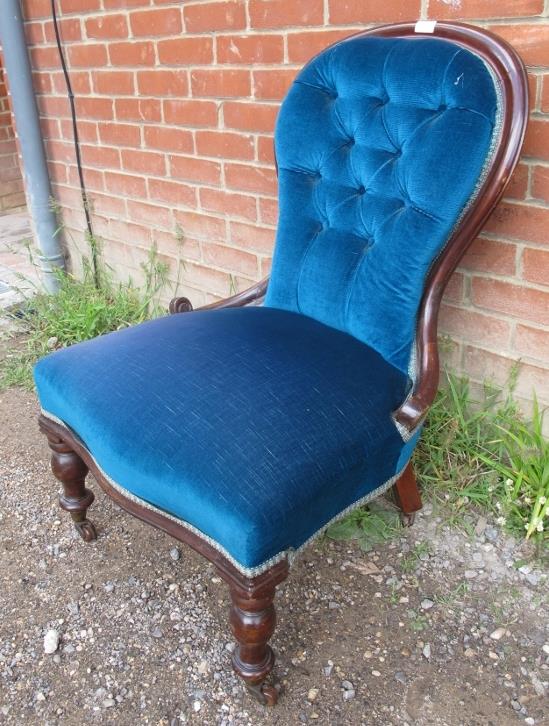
(256, 426)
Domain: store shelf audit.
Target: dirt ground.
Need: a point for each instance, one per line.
(434, 627)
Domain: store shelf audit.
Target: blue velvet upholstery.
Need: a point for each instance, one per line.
(380, 143)
(255, 425)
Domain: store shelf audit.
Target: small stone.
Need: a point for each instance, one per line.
(426, 651)
(529, 721)
(545, 648)
(470, 574)
(427, 604)
(515, 705)
(400, 676)
(406, 652)
(196, 706)
(108, 703)
(51, 641)
(328, 669)
(480, 526)
(349, 695)
(376, 674)
(347, 685)
(491, 533)
(313, 694)
(368, 654)
(108, 586)
(203, 667)
(156, 632)
(332, 605)
(40, 696)
(497, 634)
(175, 553)
(469, 653)
(230, 647)
(52, 342)
(56, 658)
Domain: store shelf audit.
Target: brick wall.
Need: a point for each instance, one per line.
(12, 196)
(176, 104)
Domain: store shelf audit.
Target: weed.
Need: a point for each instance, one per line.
(420, 551)
(369, 526)
(82, 309)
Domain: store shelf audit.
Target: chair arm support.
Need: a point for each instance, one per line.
(411, 413)
(253, 293)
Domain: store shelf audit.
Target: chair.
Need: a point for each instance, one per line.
(244, 430)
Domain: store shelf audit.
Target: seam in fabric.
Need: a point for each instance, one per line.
(290, 554)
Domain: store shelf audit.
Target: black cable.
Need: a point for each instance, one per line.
(76, 138)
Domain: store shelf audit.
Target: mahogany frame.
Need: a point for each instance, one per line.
(252, 614)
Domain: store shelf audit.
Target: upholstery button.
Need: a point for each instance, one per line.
(442, 107)
(397, 153)
(351, 142)
(361, 190)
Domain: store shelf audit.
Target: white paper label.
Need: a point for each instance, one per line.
(425, 26)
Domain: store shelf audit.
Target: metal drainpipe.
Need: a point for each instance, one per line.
(35, 170)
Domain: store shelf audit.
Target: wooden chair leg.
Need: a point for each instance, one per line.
(253, 621)
(407, 496)
(71, 471)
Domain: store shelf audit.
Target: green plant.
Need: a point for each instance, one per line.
(367, 525)
(82, 309)
(483, 452)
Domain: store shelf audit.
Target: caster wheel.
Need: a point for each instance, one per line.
(86, 530)
(264, 694)
(407, 520)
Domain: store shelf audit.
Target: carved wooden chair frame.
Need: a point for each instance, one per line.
(252, 614)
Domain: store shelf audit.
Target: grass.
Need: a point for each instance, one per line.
(82, 309)
(474, 455)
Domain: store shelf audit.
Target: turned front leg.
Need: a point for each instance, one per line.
(407, 496)
(253, 621)
(71, 471)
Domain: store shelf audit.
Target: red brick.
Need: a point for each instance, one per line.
(265, 149)
(487, 255)
(206, 278)
(532, 342)
(540, 182)
(190, 113)
(132, 54)
(125, 231)
(80, 82)
(195, 170)
(535, 266)
(249, 116)
(225, 144)
(250, 179)
(115, 4)
(252, 237)
(126, 184)
(231, 204)
(101, 156)
(44, 58)
(186, 51)
(209, 17)
(42, 82)
(184, 248)
(69, 29)
(120, 134)
(36, 8)
(266, 266)
(455, 289)
(443, 10)
(59, 150)
(107, 26)
(87, 130)
(168, 139)
(504, 297)
(536, 142)
(272, 85)
(166, 21)
(482, 365)
(172, 192)
(302, 46)
(520, 221)
(201, 226)
(162, 83)
(88, 55)
(143, 162)
(530, 41)
(518, 184)
(78, 6)
(149, 214)
(373, 11)
(93, 178)
(138, 109)
(230, 259)
(115, 83)
(281, 13)
(474, 327)
(100, 108)
(221, 83)
(53, 106)
(268, 210)
(250, 49)
(34, 33)
(545, 94)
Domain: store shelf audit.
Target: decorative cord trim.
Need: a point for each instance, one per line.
(290, 554)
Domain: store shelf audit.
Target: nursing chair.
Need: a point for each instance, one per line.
(245, 429)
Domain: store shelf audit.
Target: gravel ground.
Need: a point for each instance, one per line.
(434, 627)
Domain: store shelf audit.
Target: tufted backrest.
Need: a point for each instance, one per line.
(381, 144)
